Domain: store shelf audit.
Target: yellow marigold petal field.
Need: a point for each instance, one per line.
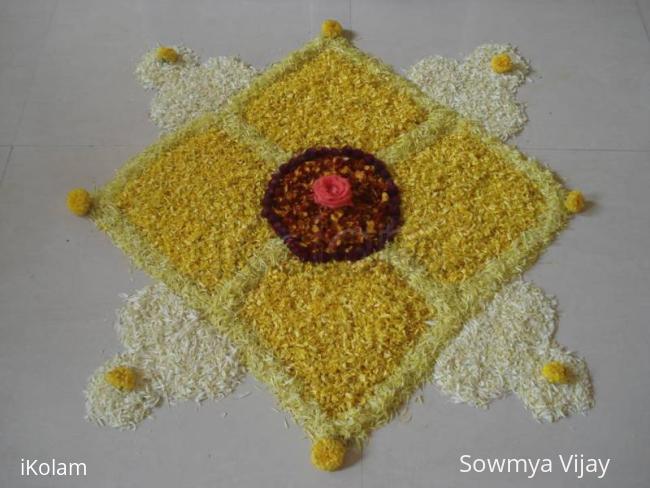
(198, 204)
(332, 101)
(463, 205)
(340, 328)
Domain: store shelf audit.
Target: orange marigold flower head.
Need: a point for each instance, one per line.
(121, 377)
(167, 54)
(501, 63)
(328, 454)
(556, 372)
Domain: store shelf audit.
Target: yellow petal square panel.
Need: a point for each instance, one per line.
(185, 203)
(464, 204)
(341, 329)
(335, 97)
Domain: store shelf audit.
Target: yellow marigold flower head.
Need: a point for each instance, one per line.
(121, 377)
(501, 63)
(331, 28)
(575, 201)
(328, 454)
(79, 201)
(556, 372)
(167, 54)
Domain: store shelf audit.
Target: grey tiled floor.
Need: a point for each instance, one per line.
(71, 113)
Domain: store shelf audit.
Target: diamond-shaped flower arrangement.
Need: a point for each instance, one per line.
(341, 342)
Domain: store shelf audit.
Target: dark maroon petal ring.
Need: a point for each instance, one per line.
(330, 204)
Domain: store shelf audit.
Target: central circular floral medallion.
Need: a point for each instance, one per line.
(333, 204)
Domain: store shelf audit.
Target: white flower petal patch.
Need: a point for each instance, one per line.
(108, 406)
(152, 73)
(188, 89)
(187, 357)
(178, 356)
(473, 89)
(504, 349)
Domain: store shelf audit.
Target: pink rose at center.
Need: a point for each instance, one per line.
(332, 191)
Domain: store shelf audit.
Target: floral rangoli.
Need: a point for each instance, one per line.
(344, 233)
